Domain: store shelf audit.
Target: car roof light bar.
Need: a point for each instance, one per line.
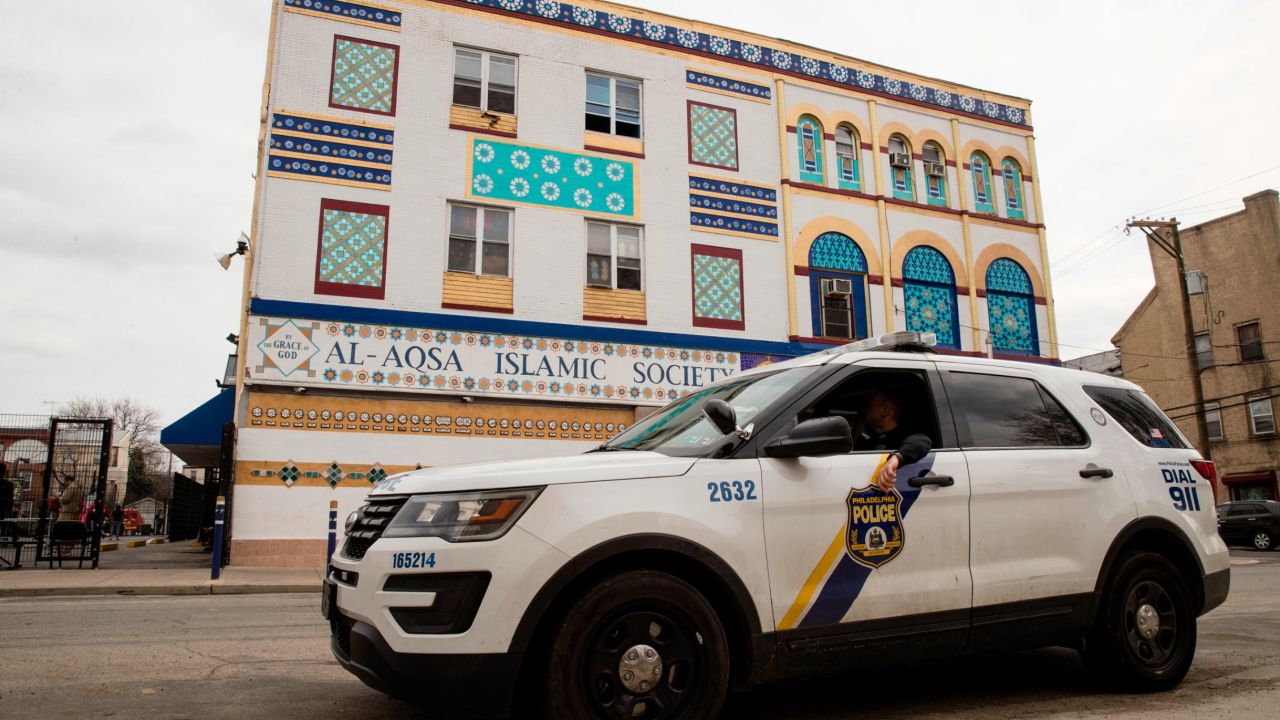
(890, 342)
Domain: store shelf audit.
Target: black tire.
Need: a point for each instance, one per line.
(1263, 540)
(1116, 649)
(637, 609)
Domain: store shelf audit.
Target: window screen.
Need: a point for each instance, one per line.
(1004, 412)
(1137, 415)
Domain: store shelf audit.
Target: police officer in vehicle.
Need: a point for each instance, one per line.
(882, 429)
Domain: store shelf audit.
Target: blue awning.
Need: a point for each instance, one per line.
(197, 436)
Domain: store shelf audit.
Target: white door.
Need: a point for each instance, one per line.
(840, 551)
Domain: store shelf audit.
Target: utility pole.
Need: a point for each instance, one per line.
(1173, 247)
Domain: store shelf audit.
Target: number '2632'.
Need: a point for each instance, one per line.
(736, 490)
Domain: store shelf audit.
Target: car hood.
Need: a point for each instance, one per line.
(588, 467)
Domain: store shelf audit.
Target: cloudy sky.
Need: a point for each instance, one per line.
(128, 131)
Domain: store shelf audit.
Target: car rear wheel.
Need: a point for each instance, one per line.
(640, 644)
(1262, 540)
(1144, 637)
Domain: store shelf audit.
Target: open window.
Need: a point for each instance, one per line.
(849, 400)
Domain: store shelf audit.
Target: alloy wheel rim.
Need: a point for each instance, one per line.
(1262, 541)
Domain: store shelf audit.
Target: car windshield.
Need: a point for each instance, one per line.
(681, 429)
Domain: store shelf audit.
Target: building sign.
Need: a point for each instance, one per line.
(314, 353)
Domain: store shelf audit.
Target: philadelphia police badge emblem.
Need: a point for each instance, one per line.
(874, 534)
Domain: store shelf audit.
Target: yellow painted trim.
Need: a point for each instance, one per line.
(799, 110)
(614, 303)
(726, 93)
(245, 468)
(1004, 151)
(994, 252)
(736, 181)
(613, 142)
(732, 233)
(784, 166)
(924, 136)
(336, 118)
(831, 223)
(327, 181)
(833, 196)
(916, 238)
(990, 221)
(1044, 249)
(844, 117)
(480, 290)
(734, 75)
(974, 318)
(340, 18)
(475, 119)
(888, 130)
(327, 138)
(323, 158)
(883, 217)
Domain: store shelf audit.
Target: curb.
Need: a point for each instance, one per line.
(108, 547)
(206, 588)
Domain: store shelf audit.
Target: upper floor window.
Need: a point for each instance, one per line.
(1213, 421)
(613, 256)
(1262, 419)
(484, 80)
(1204, 351)
(981, 168)
(490, 229)
(613, 105)
(1011, 172)
(1249, 338)
(847, 151)
(900, 167)
(809, 137)
(935, 173)
(837, 287)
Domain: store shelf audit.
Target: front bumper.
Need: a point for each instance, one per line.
(480, 686)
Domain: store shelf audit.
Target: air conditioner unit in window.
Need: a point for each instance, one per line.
(935, 169)
(836, 287)
(900, 159)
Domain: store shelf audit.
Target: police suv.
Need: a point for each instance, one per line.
(736, 537)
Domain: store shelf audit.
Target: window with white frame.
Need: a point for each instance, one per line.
(479, 240)
(1204, 351)
(613, 256)
(484, 80)
(1213, 421)
(613, 105)
(1262, 419)
(28, 509)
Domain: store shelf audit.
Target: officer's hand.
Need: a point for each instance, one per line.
(888, 475)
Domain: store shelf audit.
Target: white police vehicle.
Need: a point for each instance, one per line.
(735, 538)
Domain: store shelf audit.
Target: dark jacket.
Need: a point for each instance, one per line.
(911, 446)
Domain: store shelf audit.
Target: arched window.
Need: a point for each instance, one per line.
(929, 293)
(1011, 309)
(838, 287)
(981, 167)
(809, 137)
(1012, 188)
(847, 152)
(935, 173)
(900, 166)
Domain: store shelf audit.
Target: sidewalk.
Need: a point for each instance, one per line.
(148, 581)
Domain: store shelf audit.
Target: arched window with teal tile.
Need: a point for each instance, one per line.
(809, 137)
(980, 166)
(848, 151)
(935, 174)
(929, 293)
(1011, 309)
(838, 287)
(1012, 174)
(900, 168)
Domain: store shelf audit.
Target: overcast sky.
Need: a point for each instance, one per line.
(128, 131)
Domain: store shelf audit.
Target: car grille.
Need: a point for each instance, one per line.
(341, 626)
(370, 523)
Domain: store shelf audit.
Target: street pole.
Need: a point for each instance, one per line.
(1152, 228)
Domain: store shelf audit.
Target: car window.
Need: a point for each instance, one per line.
(1003, 412)
(1137, 415)
(909, 390)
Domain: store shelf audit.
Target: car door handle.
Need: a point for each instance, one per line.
(1096, 472)
(939, 480)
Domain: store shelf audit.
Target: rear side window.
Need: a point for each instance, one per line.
(1137, 415)
(1003, 412)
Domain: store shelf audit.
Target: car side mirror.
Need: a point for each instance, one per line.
(819, 436)
(721, 415)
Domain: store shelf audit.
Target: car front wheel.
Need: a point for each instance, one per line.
(1144, 638)
(640, 644)
(1262, 540)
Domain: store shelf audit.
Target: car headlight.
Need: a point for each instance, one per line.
(462, 517)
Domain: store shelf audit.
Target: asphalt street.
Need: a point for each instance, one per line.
(267, 656)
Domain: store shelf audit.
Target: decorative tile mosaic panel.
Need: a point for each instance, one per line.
(1011, 310)
(330, 150)
(717, 287)
(809, 145)
(1005, 275)
(724, 84)
(514, 172)
(929, 292)
(364, 75)
(353, 245)
(836, 251)
(362, 13)
(727, 207)
(713, 136)
(759, 56)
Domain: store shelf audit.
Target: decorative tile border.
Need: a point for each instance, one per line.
(730, 205)
(758, 56)
(330, 150)
(732, 208)
(515, 172)
(705, 183)
(707, 81)
(360, 13)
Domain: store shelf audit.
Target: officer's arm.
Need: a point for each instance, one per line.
(914, 448)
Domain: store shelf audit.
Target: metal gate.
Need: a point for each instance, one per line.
(73, 504)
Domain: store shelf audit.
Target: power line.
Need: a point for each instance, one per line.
(1248, 401)
(1206, 192)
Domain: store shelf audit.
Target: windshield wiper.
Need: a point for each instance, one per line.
(611, 448)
